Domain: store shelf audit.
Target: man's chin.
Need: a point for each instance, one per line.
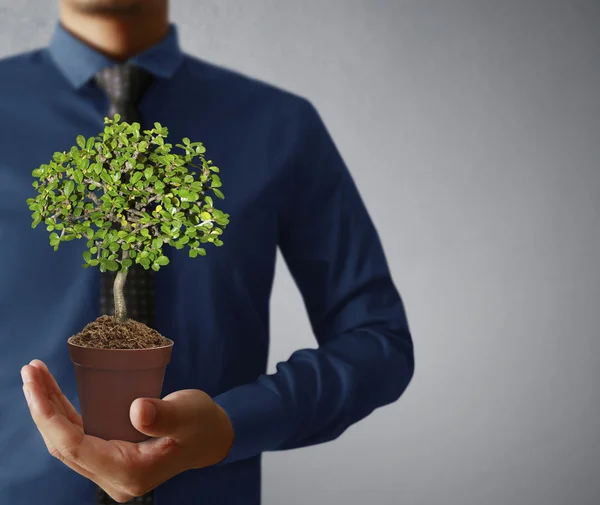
(109, 7)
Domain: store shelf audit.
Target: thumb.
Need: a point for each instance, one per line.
(161, 418)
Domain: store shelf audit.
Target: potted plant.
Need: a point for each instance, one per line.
(129, 195)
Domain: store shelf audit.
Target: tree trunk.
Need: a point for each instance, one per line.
(119, 296)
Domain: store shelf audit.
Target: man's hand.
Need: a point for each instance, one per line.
(190, 430)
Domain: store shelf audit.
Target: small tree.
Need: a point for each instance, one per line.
(128, 194)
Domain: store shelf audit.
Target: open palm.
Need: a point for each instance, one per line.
(122, 469)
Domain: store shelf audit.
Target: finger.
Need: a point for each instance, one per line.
(68, 441)
(55, 428)
(31, 374)
(54, 389)
(35, 391)
(167, 417)
(39, 404)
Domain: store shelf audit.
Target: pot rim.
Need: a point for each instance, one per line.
(120, 350)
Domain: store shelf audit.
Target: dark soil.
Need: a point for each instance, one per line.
(107, 333)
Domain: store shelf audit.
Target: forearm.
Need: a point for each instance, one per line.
(318, 393)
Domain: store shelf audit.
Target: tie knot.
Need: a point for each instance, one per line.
(124, 83)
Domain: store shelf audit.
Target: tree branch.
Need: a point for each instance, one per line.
(96, 183)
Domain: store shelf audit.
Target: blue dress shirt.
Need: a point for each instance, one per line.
(286, 186)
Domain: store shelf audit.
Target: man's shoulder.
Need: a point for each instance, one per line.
(20, 61)
(20, 71)
(240, 86)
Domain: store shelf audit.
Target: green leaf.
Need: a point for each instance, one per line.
(216, 181)
(148, 172)
(87, 256)
(205, 216)
(81, 141)
(83, 164)
(157, 243)
(136, 177)
(69, 187)
(112, 265)
(78, 176)
(218, 193)
(188, 196)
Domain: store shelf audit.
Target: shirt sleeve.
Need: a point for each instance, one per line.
(365, 356)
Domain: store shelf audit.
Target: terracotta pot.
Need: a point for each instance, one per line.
(109, 380)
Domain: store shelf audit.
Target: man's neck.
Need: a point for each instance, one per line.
(120, 36)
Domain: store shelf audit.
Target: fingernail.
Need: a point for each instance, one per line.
(23, 375)
(148, 414)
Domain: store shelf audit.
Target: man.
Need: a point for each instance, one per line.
(286, 187)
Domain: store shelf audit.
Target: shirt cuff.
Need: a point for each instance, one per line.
(258, 418)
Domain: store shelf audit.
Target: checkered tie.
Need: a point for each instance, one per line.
(124, 86)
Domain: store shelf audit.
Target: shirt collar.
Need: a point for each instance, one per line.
(80, 62)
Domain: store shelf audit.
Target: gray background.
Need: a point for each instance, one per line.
(473, 131)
